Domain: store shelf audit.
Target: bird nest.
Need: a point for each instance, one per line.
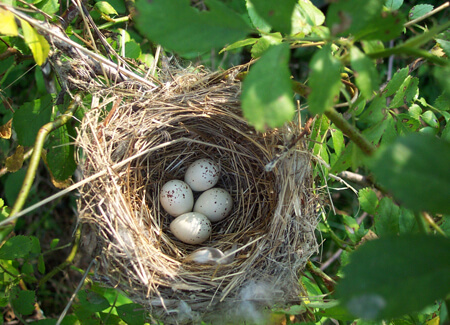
(137, 139)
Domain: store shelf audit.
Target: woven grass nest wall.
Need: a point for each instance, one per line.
(137, 140)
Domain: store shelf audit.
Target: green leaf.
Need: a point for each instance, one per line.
(276, 14)
(239, 44)
(37, 43)
(54, 243)
(394, 4)
(267, 90)
(338, 141)
(263, 44)
(132, 314)
(132, 50)
(92, 301)
(352, 17)
(406, 124)
(383, 27)
(415, 111)
(368, 200)
(325, 80)
(376, 131)
(366, 74)
(407, 222)
(16, 247)
(445, 45)
(105, 8)
(61, 154)
(306, 16)
(41, 264)
(178, 26)
(386, 219)
(372, 46)
(23, 302)
(259, 23)
(406, 93)
(395, 83)
(419, 11)
(376, 111)
(30, 118)
(49, 6)
(431, 119)
(415, 169)
(393, 276)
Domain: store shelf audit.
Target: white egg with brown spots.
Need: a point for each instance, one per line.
(202, 174)
(215, 203)
(176, 197)
(191, 228)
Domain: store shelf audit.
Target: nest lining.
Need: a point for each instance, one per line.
(151, 137)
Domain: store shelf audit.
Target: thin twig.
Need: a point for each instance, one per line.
(66, 309)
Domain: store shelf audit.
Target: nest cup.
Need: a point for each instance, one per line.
(136, 140)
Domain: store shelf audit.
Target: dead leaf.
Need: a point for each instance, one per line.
(5, 130)
(15, 162)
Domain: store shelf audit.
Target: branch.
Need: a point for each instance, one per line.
(350, 131)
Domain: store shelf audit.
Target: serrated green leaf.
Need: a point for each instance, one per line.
(275, 14)
(325, 80)
(419, 11)
(368, 200)
(406, 93)
(178, 26)
(406, 124)
(37, 43)
(376, 131)
(376, 111)
(386, 219)
(395, 83)
(394, 4)
(338, 141)
(105, 8)
(383, 27)
(264, 43)
(239, 44)
(61, 154)
(132, 314)
(259, 23)
(23, 302)
(351, 17)
(267, 90)
(16, 247)
(407, 222)
(393, 276)
(415, 169)
(366, 74)
(430, 118)
(445, 46)
(30, 118)
(92, 301)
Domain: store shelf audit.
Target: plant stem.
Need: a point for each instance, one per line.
(428, 219)
(66, 263)
(329, 282)
(350, 131)
(36, 156)
(423, 227)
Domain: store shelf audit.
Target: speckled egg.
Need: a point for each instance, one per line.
(202, 174)
(191, 228)
(176, 197)
(215, 203)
